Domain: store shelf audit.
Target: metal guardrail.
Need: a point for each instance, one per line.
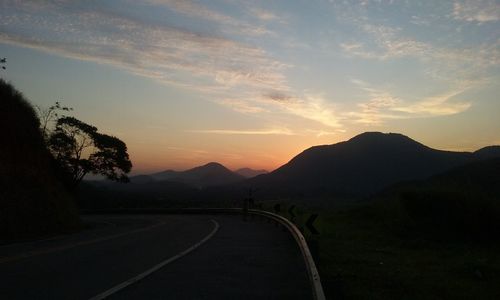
(312, 271)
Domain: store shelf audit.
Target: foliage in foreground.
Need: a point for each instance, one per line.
(79, 149)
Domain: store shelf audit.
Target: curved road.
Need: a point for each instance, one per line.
(251, 259)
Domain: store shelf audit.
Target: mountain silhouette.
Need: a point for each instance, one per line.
(211, 174)
(487, 153)
(363, 165)
(249, 173)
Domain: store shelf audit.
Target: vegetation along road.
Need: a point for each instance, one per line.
(158, 256)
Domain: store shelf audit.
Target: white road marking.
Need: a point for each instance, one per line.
(135, 279)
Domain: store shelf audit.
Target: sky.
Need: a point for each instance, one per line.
(254, 83)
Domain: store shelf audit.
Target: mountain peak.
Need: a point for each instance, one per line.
(213, 165)
(376, 135)
(390, 139)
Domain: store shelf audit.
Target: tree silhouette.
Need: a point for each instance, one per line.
(79, 149)
(49, 116)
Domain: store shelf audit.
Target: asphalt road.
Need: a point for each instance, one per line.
(252, 259)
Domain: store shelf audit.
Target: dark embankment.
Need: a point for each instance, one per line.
(33, 202)
(461, 203)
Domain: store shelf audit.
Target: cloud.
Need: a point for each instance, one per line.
(230, 73)
(162, 52)
(439, 105)
(383, 105)
(451, 65)
(321, 133)
(480, 11)
(311, 107)
(196, 10)
(278, 131)
(264, 15)
(419, 21)
(242, 106)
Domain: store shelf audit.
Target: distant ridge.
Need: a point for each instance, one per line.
(249, 173)
(363, 165)
(211, 174)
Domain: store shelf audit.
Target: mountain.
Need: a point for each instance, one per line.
(211, 174)
(487, 152)
(362, 165)
(249, 173)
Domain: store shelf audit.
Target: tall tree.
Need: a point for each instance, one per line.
(80, 149)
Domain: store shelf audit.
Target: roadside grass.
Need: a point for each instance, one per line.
(372, 251)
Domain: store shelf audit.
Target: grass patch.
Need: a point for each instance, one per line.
(364, 256)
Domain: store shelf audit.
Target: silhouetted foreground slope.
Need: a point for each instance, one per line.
(362, 165)
(464, 201)
(437, 238)
(32, 200)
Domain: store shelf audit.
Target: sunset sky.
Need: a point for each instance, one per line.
(253, 83)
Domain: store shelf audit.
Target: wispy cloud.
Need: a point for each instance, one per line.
(452, 65)
(321, 133)
(276, 131)
(263, 14)
(161, 52)
(196, 10)
(309, 106)
(439, 105)
(230, 73)
(243, 106)
(235, 62)
(419, 21)
(479, 11)
(383, 105)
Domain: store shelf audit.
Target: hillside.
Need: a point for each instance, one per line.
(32, 200)
(362, 165)
(461, 203)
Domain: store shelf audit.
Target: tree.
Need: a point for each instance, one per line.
(48, 116)
(79, 149)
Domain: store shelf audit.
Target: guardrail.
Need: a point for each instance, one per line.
(312, 271)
